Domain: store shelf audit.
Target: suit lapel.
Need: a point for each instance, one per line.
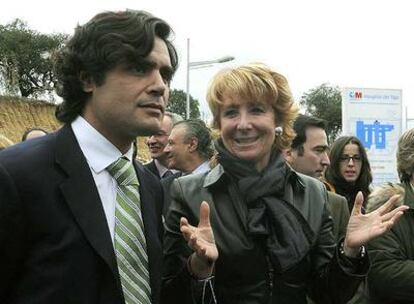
(82, 196)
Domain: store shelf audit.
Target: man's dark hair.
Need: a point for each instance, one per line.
(28, 131)
(196, 128)
(108, 40)
(302, 123)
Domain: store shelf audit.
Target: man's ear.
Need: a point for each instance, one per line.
(193, 145)
(88, 85)
(288, 155)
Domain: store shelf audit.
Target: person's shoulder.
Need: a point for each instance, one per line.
(149, 164)
(309, 182)
(334, 197)
(383, 193)
(143, 169)
(191, 182)
(32, 151)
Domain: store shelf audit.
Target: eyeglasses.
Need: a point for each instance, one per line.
(346, 158)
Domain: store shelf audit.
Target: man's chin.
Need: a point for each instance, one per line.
(148, 129)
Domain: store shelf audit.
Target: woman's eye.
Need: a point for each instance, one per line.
(230, 113)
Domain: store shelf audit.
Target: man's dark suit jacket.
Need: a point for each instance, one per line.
(55, 245)
(166, 186)
(153, 168)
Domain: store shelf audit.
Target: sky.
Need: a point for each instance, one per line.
(353, 43)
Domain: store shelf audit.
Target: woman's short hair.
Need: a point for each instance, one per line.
(405, 156)
(108, 40)
(333, 174)
(256, 81)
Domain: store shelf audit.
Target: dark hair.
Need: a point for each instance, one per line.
(333, 175)
(28, 131)
(108, 40)
(196, 128)
(301, 124)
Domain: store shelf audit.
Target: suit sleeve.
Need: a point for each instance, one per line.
(343, 218)
(12, 233)
(392, 272)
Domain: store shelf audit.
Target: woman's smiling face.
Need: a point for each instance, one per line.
(248, 129)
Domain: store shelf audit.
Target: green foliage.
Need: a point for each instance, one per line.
(26, 65)
(177, 104)
(325, 102)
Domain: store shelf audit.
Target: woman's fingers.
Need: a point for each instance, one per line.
(393, 213)
(198, 246)
(389, 204)
(186, 229)
(204, 215)
(359, 200)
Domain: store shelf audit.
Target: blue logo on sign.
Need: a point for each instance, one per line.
(373, 133)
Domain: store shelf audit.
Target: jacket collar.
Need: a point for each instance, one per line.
(82, 196)
(213, 176)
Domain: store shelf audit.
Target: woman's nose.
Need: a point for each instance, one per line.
(244, 122)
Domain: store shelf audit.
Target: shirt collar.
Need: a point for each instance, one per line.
(98, 150)
(204, 167)
(162, 169)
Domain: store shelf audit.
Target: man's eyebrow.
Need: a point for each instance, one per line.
(325, 147)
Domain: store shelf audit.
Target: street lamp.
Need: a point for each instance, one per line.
(199, 65)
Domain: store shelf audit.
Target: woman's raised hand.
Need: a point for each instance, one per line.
(201, 240)
(364, 227)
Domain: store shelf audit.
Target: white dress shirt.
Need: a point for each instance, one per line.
(204, 167)
(99, 154)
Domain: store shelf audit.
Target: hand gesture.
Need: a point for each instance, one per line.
(201, 240)
(364, 227)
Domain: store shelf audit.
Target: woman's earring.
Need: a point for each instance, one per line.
(278, 131)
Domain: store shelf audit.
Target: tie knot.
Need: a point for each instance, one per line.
(123, 172)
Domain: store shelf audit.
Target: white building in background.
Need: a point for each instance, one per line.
(375, 117)
(409, 123)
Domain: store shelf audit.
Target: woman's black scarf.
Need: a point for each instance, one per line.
(278, 225)
(350, 191)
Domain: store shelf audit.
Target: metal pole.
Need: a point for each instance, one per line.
(188, 80)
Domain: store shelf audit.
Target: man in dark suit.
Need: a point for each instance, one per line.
(309, 155)
(156, 144)
(63, 234)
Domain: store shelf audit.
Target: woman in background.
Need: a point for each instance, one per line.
(349, 172)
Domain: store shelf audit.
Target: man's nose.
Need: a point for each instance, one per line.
(325, 159)
(159, 85)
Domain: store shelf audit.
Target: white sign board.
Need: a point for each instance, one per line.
(375, 117)
(410, 123)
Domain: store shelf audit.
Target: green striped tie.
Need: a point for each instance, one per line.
(130, 245)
